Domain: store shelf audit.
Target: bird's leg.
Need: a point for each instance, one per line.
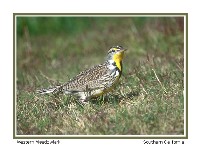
(87, 91)
(84, 96)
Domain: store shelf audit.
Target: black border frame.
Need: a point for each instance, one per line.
(95, 136)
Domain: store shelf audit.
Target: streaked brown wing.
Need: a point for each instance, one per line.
(91, 79)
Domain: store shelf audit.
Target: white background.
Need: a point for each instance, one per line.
(8, 7)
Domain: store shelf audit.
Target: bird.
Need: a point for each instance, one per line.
(95, 81)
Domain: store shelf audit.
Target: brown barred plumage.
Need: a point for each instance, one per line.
(94, 81)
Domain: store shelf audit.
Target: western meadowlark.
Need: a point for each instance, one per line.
(95, 81)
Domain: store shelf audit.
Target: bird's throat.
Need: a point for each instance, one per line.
(118, 60)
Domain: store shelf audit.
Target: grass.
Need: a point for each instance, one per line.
(148, 100)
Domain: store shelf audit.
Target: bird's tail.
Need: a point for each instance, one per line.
(48, 90)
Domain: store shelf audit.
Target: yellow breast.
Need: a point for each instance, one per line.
(118, 59)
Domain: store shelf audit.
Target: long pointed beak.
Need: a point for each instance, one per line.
(124, 49)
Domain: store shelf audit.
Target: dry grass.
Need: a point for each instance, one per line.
(148, 100)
